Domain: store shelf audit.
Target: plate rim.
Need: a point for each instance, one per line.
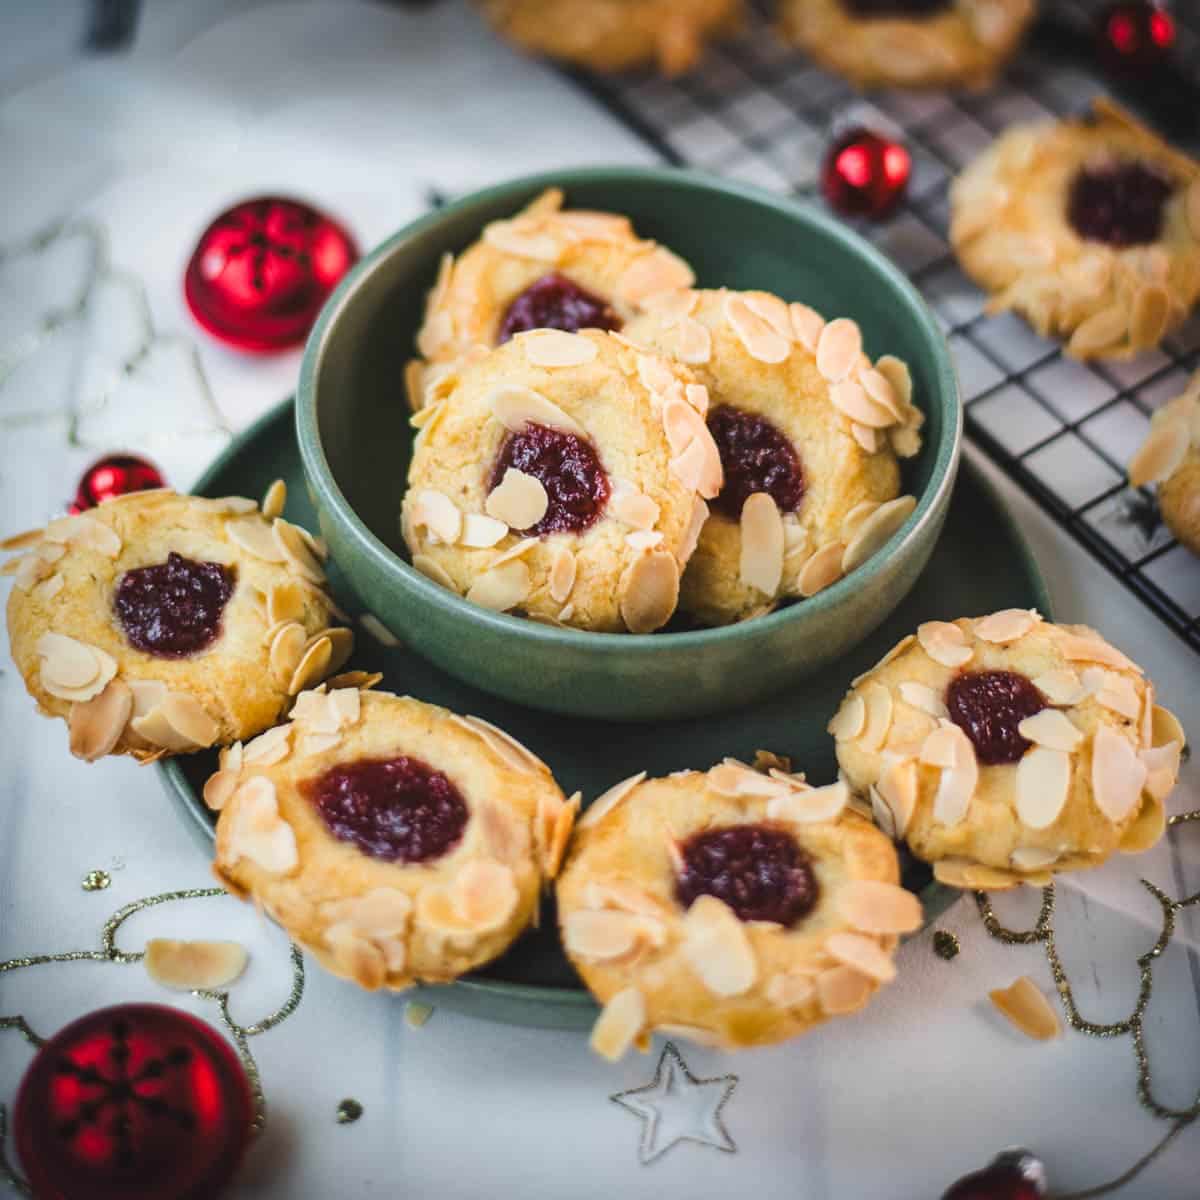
(573, 1000)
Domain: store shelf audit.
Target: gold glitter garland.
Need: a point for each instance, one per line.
(110, 952)
(1043, 933)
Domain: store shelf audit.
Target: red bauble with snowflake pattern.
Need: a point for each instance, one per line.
(135, 1102)
(115, 475)
(865, 173)
(262, 270)
(1135, 36)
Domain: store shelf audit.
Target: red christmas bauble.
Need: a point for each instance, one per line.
(865, 174)
(1013, 1175)
(135, 1102)
(1135, 36)
(115, 475)
(262, 270)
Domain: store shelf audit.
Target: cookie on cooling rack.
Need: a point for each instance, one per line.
(1089, 228)
(159, 624)
(398, 842)
(614, 35)
(1004, 748)
(808, 431)
(564, 478)
(909, 43)
(733, 907)
(1170, 458)
(545, 268)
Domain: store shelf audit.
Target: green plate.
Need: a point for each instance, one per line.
(981, 563)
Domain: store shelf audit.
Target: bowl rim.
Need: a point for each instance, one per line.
(321, 479)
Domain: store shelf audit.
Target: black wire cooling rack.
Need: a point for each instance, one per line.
(758, 111)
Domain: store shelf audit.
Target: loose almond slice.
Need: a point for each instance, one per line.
(838, 349)
(619, 1024)
(842, 990)
(557, 348)
(879, 707)
(649, 591)
(1052, 729)
(848, 721)
(1118, 774)
(501, 588)
(1006, 626)
(809, 806)
(96, 725)
(519, 500)
(602, 935)
(820, 570)
(873, 906)
(717, 947)
(274, 500)
(1043, 782)
(194, 966)
(256, 537)
(1024, 1005)
(945, 643)
(315, 662)
(515, 407)
(484, 894)
(607, 801)
(761, 562)
(1061, 686)
(435, 511)
(924, 698)
(876, 530)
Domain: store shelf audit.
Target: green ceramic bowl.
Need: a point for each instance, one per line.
(355, 444)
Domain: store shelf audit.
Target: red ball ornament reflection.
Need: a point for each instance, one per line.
(262, 270)
(1135, 36)
(1013, 1175)
(865, 174)
(115, 475)
(136, 1102)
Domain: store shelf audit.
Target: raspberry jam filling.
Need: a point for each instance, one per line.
(1121, 204)
(555, 302)
(988, 706)
(755, 457)
(564, 464)
(173, 609)
(760, 872)
(896, 8)
(396, 809)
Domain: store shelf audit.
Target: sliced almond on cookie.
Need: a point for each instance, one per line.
(515, 407)
(650, 591)
(519, 500)
(761, 559)
(717, 947)
(619, 1025)
(502, 587)
(873, 906)
(1043, 782)
(96, 725)
(945, 643)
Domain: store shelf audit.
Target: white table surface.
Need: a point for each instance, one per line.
(363, 108)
